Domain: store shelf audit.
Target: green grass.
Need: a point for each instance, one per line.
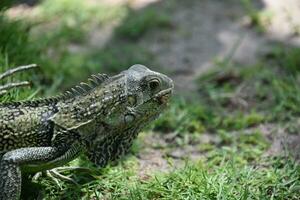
(270, 87)
(233, 102)
(70, 20)
(146, 20)
(259, 19)
(235, 170)
(196, 181)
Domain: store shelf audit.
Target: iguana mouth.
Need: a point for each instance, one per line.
(164, 95)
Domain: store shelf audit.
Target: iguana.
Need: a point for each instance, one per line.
(99, 118)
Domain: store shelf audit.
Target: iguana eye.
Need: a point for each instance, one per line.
(131, 100)
(154, 84)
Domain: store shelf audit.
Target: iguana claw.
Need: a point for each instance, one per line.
(55, 174)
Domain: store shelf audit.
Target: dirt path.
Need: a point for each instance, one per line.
(210, 29)
(205, 31)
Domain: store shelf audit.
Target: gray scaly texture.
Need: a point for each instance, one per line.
(99, 118)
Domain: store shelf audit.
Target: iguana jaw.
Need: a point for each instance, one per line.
(164, 95)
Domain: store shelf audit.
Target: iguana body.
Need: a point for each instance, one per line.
(100, 118)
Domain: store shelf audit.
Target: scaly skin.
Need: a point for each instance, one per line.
(100, 119)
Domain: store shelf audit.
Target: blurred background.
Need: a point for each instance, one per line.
(231, 131)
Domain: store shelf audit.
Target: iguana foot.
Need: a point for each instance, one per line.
(5, 88)
(56, 176)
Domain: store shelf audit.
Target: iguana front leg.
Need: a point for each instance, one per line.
(32, 158)
(5, 88)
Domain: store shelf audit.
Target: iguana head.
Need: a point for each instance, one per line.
(148, 94)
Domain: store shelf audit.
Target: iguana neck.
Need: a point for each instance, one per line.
(100, 100)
